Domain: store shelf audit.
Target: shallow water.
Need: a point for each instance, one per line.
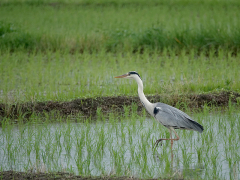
(124, 147)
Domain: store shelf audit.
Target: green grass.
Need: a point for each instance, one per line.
(120, 26)
(62, 77)
(69, 49)
(65, 50)
(122, 145)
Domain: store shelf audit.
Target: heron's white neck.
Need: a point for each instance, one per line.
(145, 102)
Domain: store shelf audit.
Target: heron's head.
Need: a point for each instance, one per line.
(130, 75)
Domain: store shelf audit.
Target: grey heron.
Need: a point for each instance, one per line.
(168, 116)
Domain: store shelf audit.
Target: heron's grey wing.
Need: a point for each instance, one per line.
(172, 117)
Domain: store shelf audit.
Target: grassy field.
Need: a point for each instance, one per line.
(63, 77)
(120, 26)
(62, 50)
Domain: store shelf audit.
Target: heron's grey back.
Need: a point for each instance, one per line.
(172, 117)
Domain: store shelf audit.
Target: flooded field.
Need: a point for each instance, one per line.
(124, 146)
(63, 115)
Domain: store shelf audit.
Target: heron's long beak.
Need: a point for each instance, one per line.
(122, 76)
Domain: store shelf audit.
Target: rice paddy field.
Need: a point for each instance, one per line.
(123, 145)
(66, 50)
(119, 26)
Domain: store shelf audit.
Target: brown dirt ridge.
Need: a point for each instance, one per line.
(10, 175)
(88, 106)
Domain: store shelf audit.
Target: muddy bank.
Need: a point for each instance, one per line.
(88, 106)
(10, 175)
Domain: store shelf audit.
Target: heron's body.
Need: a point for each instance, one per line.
(168, 116)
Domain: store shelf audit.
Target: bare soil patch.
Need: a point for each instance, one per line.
(88, 106)
(10, 175)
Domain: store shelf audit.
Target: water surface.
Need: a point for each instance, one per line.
(124, 147)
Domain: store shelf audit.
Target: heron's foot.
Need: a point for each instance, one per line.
(157, 142)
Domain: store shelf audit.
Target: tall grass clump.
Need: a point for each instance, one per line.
(158, 38)
(12, 38)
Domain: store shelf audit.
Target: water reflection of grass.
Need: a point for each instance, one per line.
(122, 145)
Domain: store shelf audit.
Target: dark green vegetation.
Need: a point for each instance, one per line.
(120, 26)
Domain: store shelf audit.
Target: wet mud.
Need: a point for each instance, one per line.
(88, 106)
(10, 175)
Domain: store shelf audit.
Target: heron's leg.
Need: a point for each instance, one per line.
(176, 139)
(171, 138)
(175, 134)
(171, 147)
